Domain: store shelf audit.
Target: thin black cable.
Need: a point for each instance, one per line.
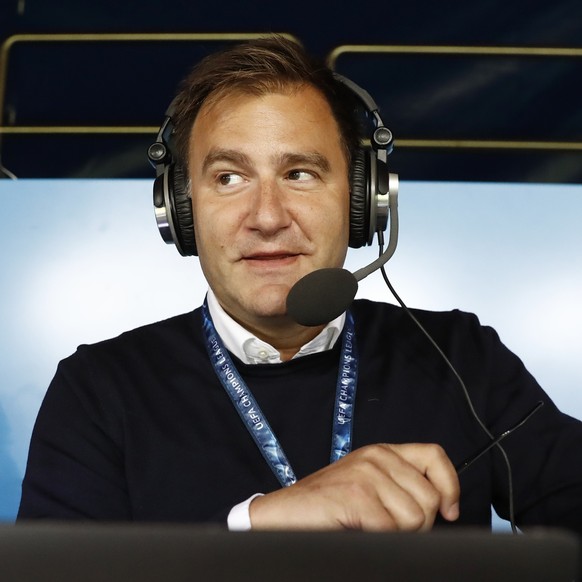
(461, 383)
(469, 461)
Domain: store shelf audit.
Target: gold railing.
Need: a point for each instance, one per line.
(501, 51)
(104, 37)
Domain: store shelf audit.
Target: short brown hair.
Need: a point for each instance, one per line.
(266, 65)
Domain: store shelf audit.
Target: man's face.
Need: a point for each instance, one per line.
(270, 198)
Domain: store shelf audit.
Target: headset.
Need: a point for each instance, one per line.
(370, 190)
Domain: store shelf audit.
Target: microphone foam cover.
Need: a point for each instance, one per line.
(321, 296)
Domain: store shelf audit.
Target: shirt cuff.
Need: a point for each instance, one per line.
(239, 518)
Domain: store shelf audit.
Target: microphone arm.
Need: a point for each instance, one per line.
(392, 241)
(324, 294)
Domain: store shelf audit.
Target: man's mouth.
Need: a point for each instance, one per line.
(271, 258)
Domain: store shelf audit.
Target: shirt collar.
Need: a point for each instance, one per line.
(252, 350)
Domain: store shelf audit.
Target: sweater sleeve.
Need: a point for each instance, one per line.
(75, 465)
(124, 434)
(544, 453)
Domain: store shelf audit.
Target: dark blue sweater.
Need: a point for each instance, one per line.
(139, 427)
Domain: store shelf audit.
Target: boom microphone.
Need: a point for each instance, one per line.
(322, 295)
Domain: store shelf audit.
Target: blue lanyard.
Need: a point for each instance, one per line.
(253, 417)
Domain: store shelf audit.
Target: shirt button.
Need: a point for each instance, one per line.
(263, 354)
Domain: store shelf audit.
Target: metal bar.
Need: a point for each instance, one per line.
(64, 129)
(115, 37)
(454, 50)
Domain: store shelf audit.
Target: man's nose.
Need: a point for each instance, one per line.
(269, 212)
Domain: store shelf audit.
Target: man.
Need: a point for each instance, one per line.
(229, 413)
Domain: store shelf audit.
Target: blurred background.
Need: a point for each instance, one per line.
(484, 90)
(482, 97)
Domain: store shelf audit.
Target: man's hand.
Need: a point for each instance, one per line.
(376, 488)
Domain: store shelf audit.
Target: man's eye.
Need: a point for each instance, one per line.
(300, 175)
(229, 179)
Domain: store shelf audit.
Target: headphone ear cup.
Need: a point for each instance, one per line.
(359, 200)
(182, 206)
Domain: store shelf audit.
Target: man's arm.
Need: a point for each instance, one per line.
(75, 467)
(377, 487)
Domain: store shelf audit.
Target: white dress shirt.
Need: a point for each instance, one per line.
(252, 350)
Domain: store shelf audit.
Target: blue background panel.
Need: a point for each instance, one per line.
(81, 261)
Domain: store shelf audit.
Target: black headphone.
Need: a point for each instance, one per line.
(371, 183)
